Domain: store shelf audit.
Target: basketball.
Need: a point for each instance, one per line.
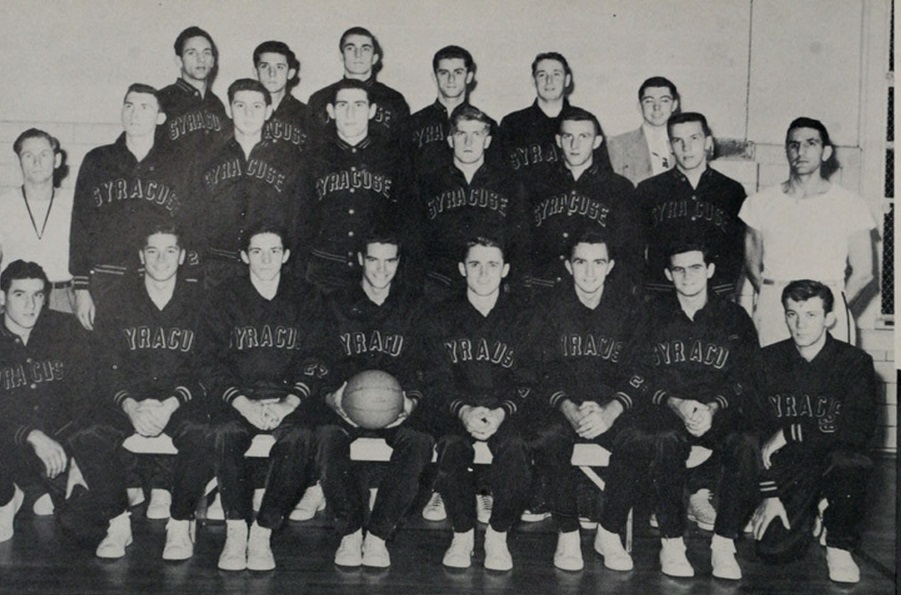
(373, 399)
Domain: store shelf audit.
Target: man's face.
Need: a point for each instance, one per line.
(161, 256)
(484, 268)
(379, 265)
(469, 141)
(351, 112)
(265, 254)
(690, 145)
(805, 151)
(589, 265)
(272, 70)
(657, 105)
(551, 80)
(359, 55)
(807, 320)
(689, 273)
(249, 112)
(196, 60)
(22, 303)
(578, 139)
(452, 77)
(141, 114)
(38, 160)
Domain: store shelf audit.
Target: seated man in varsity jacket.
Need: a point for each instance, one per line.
(373, 326)
(145, 350)
(816, 409)
(476, 347)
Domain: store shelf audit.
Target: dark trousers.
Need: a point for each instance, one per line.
(19, 464)
(96, 448)
(290, 465)
(397, 489)
(510, 473)
(840, 475)
(660, 444)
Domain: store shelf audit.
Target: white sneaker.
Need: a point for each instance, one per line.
(842, 567)
(259, 550)
(180, 538)
(497, 555)
(215, 512)
(673, 561)
(8, 513)
(258, 498)
(234, 552)
(118, 537)
(375, 554)
(43, 506)
(312, 501)
(701, 511)
(135, 496)
(722, 558)
(569, 551)
(459, 554)
(609, 545)
(484, 503)
(434, 509)
(350, 551)
(160, 503)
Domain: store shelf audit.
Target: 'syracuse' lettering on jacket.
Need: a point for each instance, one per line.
(288, 123)
(196, 124)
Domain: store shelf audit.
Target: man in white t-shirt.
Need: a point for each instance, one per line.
(35, 217)
(806, 228)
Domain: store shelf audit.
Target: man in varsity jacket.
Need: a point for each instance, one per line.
(584, 335)
(468, 197)
(373, 325)
(279, 70)
(481, 373)
(250, 179)
(694, 351)
(45, 386)
(145, 349)
(361, 55)
(255, 347)
(131, 184)
(353, 185)
(816, 409)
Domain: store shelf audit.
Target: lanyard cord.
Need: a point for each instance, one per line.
(34, 225)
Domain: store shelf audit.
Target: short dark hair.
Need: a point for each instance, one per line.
(164, 228)
(450, 52)
(34, 133)
(145, 89)
(804, 289)
(658, 81)
(248, 85)
(469, 113)
(262, 227)
(590, 236)
(380, 236)
(829, 166)
(562, 60)
(279, 47)
(376, 46)
(191, 32)
(685, 118)
(20, 269)
(577, 114)
(682, 246)
(349, 84)
(486, 241)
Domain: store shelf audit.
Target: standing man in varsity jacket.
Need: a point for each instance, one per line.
(694, 352)
(46, 384)
(373, 325)
(354, 184)
(481, 374)
(584, 336)
(279, 70)
(250, 179)
(121, 188)
(361, 55)
(816, 409)
(146, 377)
(256, 345)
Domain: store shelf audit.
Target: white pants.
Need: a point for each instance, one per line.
(769, 314)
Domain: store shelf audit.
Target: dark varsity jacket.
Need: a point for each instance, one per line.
(117, 198)
(248, 345)
(479, 360)
(44, 385)
(195, 125)
(707, 359)
(144, 352)
(674, 211)
(831, 400)
(288, 123)
(237, 192)
(389, 117)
